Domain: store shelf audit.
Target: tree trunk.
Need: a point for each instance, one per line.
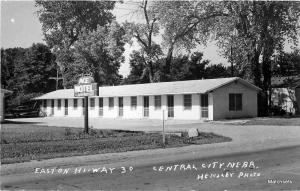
(167, 70)
(151, 72)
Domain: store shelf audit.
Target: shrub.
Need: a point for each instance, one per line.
(68, 132)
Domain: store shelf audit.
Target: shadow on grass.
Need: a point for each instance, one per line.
(19, 122)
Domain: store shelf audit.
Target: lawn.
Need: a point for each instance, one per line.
(281, 121)
(25, 142)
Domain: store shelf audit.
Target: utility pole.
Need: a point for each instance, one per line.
(56, 79)
(231, 60)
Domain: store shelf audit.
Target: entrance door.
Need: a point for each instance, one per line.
(204, 105)
(52, 107)
(146, 106)
(66, 107)
(170, 105)
(100, 106)
(120, 106)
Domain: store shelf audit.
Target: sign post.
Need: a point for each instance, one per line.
(86, 114)
(164, 138)
(85, 88)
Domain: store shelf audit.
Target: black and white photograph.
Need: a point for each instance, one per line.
(150, 95)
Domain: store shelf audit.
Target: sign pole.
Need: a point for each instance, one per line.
(85, 88)
(86, 114)
(164, 138)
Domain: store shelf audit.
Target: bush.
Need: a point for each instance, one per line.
(68, 132)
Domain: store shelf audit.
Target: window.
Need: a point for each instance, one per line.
(111, 102)
(75, 103)
(92, 103)
(235, 102)
(187, 101)
(58, 104)
(157, 102)
(133, 102)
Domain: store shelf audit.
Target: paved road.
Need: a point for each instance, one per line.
(276, 165)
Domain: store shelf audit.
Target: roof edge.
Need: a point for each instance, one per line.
(236, 79)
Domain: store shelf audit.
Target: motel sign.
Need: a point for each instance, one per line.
(85, 87)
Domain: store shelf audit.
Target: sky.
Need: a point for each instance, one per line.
(20, 27)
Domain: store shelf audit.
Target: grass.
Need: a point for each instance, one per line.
(281, 121)
(25, 142)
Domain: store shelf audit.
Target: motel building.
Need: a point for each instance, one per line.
(211, 99)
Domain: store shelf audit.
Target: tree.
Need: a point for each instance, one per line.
(182, 68)
(9, 59)
(137, 67)
(217, 71)
(29, 71)
(249, 33)
(63, 22)
(100, 53)
(261, 30)
(144, 33)
(186, 24)
(287, 64)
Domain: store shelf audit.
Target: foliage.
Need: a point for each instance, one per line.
(100, 52)
(250, 33)
(287, 64)
(66, 22)
(26, 72)
(144, 33)
(182, 68)
(62, 21)
(186, 24)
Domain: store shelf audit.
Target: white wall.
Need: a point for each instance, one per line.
(221, 102)
(211, 106)
(181, 113)
(110, 112)
(74, 112)
(218, 106)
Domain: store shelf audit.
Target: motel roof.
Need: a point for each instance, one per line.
(161, 88)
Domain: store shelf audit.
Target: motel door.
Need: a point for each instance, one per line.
(66, 107)
(52, 107)
(170, 105)
(146, 106)
(204, 105)
(120, 106)
(100, 106)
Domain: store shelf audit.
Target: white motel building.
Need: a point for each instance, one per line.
(210, 99)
